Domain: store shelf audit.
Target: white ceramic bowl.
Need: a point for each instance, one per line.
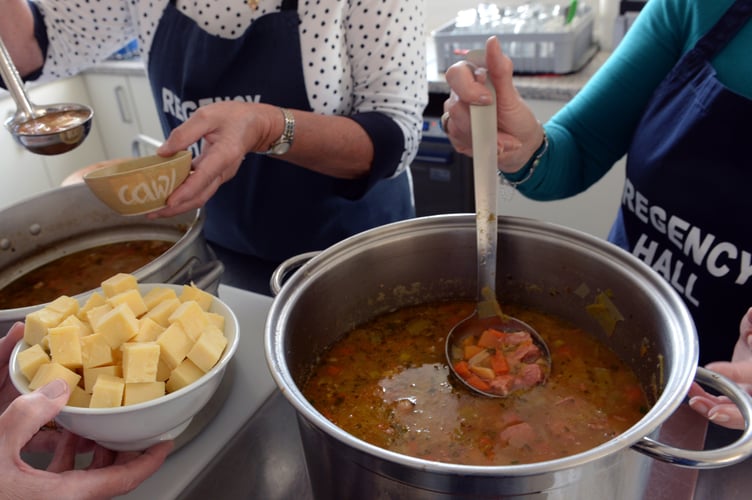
(138, 426)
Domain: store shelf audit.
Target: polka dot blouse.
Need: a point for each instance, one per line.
(358, 55)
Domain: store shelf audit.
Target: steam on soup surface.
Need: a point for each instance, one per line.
(387, 383)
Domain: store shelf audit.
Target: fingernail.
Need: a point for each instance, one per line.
(718, 417)
(54, 389)
(484, 99)
(698, 406)
(749, 341)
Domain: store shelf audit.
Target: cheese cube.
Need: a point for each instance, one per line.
(163, 370)
(38, 322)
(148, 330)
(64, 305)
(132, 298)
(94, 314)
(208, 348)
(29, 360)
(174, 344)
(107, 392)
(65, 346)
(140, 361)
(96, 351)
(191, 317)
(91, 375)
(79, 398)
(83, 327)
(194, 293)
(216, 319)
(117, 326)
(157, 295)
(162, 311)
(95, 299)
(185, 374)
(51, 371)
(119, 283)
(144, 391)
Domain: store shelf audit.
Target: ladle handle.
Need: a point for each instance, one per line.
(14, 83)
(483, 129)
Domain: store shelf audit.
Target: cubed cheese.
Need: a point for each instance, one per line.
(132, 298)
(49, 372)
(191, 317)
(157, 295)
(65, 346)
(107, 392)
(119, 283)
(216, 319)
(194, 293)
(174, 344)
(162, 311)
(148, 330)
(208, 348)
(96, 351)
(79, 398)
(38, 322)
(82, 326)
(91, 375)
(29, 360)
(163, 370)
(144, 391)
(140, 361)
(95, 299)
(185, 374)
(64, 305)
(94, 314)
(118, 326)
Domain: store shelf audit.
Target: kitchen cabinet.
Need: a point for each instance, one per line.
(125, 107)
(25, 174)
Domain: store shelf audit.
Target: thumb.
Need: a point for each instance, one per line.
(500, 70)
(27, 413)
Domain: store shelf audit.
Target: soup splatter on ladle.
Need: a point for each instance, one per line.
(45, 130)
(492, 353)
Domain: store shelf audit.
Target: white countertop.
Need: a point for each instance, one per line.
(251, 384)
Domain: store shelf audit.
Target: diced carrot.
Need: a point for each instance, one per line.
(471, 350)
(633, 393)
(490, 338)
(499, 363)
(333, 370)
(477, 382)
(462, 369)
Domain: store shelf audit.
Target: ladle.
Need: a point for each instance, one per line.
(48, 130)
(488, 314)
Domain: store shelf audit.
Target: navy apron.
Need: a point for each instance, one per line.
(686, 201)
(271, 209)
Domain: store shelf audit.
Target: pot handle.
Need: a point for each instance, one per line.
(731, 454)
(286, 268)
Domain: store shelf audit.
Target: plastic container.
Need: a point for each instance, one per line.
(552, 47)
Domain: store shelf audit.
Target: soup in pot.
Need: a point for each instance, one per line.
(387, 383)
(80, 272)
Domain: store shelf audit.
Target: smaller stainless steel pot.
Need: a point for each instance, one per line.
(47, 226)
(556, 269)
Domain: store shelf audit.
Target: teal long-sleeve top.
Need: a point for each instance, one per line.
(594, 130)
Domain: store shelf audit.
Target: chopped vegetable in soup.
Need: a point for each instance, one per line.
(501, 363)
(387, 383)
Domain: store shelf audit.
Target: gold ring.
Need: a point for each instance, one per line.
(444, 121)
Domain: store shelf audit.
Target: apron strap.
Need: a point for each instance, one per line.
(724, 30)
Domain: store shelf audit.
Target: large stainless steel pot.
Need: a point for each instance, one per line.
(47, 226)
(558, 270)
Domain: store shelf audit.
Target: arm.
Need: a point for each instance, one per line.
(17, 32)
(593, 130)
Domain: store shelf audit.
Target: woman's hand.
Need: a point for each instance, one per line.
(228, 131)
(719, 409)
(519, 133)
(109, 473)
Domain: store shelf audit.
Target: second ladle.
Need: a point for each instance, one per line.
(47, 130)
(535, 364)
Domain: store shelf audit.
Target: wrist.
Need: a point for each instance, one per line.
(528, 169)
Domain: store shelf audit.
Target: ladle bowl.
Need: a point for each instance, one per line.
(534, 368)
(47, 130)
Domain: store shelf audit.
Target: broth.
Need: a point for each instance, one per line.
(387, 383)
(52, 122)
(80, 272)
